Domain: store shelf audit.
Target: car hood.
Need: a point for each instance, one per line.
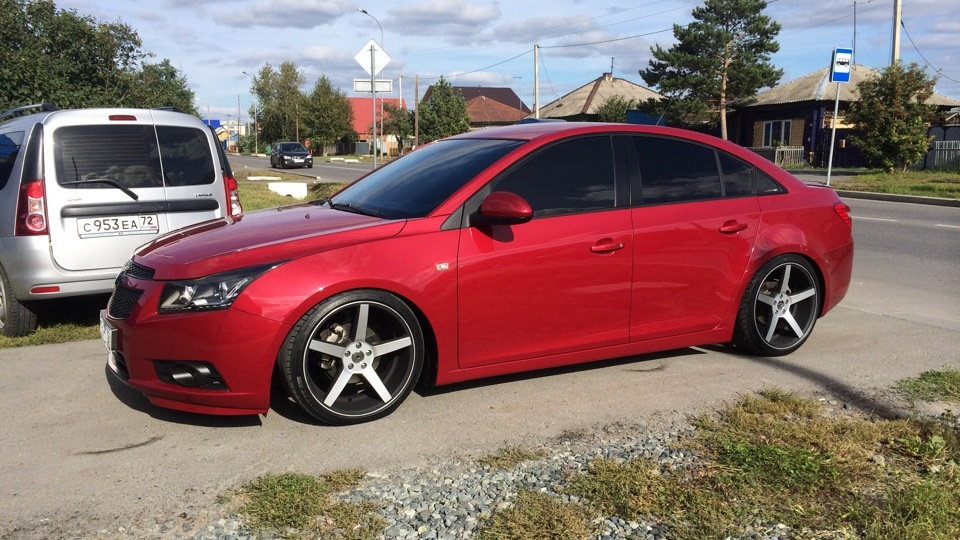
(295, 153)
(261, 237)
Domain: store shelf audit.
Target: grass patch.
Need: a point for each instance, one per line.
(939, 385)
(921, 183)
(300, 506)
(58, 333)
(255, 195)
(509, 457)
(776, 458)
(537, 516)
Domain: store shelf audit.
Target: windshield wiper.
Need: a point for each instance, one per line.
(107, 181)
(349, 207)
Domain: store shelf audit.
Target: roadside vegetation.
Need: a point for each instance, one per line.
(941, 184)
(769, 459)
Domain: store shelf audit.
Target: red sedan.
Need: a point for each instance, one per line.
(488, 253)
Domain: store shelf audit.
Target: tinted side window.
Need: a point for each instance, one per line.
(767, 185)
(186, 156)
(124, 154)
(676, 171)
(10, 143)
(572, 176)
(737, 176)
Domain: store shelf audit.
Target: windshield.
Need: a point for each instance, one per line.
(412, 186)
(292, 147)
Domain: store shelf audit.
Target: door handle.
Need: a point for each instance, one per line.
(607, 247)
(732, 226)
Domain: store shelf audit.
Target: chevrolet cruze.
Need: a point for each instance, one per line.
(487, 253)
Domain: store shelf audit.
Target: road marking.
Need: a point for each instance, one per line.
(875, 218)
(948, 226)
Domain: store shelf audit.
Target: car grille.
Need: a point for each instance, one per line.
(138, 271)
(123, 301)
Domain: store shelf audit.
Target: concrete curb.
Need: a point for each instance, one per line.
(889, 197)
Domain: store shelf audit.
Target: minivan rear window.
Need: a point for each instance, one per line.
(10, 143)
(131, 156)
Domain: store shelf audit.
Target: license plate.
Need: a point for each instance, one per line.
(108, 333)
(118, 225)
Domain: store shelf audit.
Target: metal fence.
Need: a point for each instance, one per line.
(784, 156)
(944, 155)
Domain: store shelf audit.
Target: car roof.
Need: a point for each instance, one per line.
(535, 130)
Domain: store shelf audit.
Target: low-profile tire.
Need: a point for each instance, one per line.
(779, 308)
(16, 319)
(354, 357)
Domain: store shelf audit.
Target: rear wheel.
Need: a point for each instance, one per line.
(354, 357)
(16, 319)
(780, 307)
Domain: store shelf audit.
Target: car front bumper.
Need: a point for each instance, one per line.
(149, 352)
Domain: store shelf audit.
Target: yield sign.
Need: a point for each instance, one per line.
(380, 58)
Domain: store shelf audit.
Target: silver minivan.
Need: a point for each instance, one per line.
(81, 189)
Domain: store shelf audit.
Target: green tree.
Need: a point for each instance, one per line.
(161, 85)
(891, 115)
(722, 56)
(280, 99)
(614, 109)
(71, 60)
(444, 114)
(398, 122)
(327, 114)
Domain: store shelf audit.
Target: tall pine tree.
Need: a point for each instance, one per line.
(722, 56)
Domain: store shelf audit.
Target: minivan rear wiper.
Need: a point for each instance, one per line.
(107, 181)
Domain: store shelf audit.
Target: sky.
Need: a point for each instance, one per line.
(491, 43)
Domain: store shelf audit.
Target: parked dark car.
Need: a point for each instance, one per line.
(492, 252)
(290, 154)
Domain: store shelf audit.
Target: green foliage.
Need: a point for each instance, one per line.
(614, 109)
(327, 115)
(71, 60)
(936, 385)
(299, 505)
(891, 116)
(722, 56)
(398, 122)
(279, 102)
(944, 185)
(443, 114)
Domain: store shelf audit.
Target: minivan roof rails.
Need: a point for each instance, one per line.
(21, 111)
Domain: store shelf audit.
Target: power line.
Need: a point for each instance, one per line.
(938, 71)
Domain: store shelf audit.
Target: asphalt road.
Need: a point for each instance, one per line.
(324, 171)
(80, 454)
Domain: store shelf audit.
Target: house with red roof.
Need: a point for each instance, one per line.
(490, 106)
(363, 122)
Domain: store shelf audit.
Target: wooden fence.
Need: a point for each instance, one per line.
(944, 155)
(784, 156)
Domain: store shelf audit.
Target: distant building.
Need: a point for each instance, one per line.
(799, 113)
(489, 106)
(363, 124)
(582, 103)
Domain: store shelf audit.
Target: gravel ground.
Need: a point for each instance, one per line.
(447, 500)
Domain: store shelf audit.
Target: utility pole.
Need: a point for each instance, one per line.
(536, 80)
(416, 111)
(897, 17)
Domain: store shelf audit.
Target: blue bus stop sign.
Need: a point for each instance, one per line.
(842, 63)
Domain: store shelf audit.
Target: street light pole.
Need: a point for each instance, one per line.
(256, 136)
(373, 89)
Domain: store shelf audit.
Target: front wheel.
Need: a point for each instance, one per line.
(779, 309)
(354, 357)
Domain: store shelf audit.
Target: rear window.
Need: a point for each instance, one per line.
(131, 156)
(10, 143)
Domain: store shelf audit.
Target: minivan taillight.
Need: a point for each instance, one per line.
(31, 210)
(233, 196)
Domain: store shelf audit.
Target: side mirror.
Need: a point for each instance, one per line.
(504, 208)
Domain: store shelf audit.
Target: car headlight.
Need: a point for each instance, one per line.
(208, 293)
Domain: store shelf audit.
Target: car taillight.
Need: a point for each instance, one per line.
(843, 211)
(31, 210)
(233, 195)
